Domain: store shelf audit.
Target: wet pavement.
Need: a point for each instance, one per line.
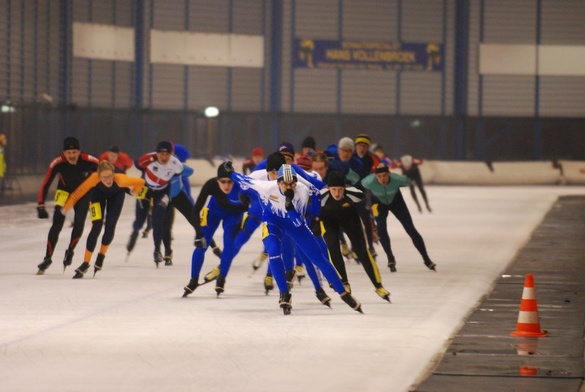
(484, 357)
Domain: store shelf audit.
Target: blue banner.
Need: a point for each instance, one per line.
(320, 54)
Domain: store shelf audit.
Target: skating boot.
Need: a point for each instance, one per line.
(81, 270)
(44, 265)
(430, 265)
(392, 264)
(260, 260)
(352, 302)
(347, 287)
(211, 275)
(158, 258)
(67, 259)
(300, 273)
(285, 302)
(99, 263)
(268, 283)
(373, 252)
(383, 293)
(219, 285)
(168, 258)
(323, 297)
(345, 250)
(145, 232)
(216, 249)
(190, 287)
(290, 277)
(132, 241)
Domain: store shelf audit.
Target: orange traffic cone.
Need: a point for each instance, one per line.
(528, 323)
(528, 371)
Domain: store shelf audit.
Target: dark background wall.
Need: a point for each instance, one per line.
(455, 114)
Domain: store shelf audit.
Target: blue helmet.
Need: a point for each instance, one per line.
(287, 173)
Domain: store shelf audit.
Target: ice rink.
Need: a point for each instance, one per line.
(128, 329)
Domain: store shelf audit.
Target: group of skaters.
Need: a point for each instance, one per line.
(307, 205)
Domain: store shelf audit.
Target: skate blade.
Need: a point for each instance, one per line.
(40, 272)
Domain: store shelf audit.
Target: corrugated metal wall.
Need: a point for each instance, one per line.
(506, 115)
(516, 22)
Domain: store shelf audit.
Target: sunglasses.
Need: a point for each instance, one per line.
(226, 181)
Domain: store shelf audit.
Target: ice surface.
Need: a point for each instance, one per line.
(128, 329)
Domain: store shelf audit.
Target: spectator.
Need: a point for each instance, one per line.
(249, 164)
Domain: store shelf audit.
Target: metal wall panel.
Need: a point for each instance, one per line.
(102, 83)
(507, 95)
(246, 89)
(420, 93)
(370, 20)
(315, 92)
(422, 21)
(514, 23)
(248, 17)
(562, 96)
(368, 91)
(207, 86)
(316, 19)
(563, 22)
(168, 14)
(474, 79)
(209, 16)
(167, 86)
(288, 32)
(511, 22)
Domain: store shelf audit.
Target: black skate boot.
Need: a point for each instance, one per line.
(44, 265)
(352, 302)
(430, 265)
(216, 249)
(158, 258)
(345, 250)
(290, 278)
(81, 270)
(383, 293)
(323, 297)
(190, 287)
(285, 302)
(392, 264)
(219, 285)
(168, 258)
(99, 263)
(68, 259)
(132, 241)
(300, 273)
(268, 283)
(261, 259)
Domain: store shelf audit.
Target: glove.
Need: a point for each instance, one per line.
(42, 213)
(200, 241)
(316, 226)
(289, 194)
(164, 201)
(228, 167)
